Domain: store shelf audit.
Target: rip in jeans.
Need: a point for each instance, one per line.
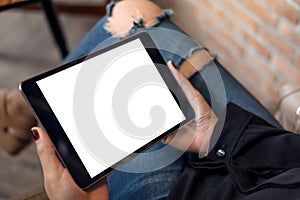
(194, 59)
(137, 22)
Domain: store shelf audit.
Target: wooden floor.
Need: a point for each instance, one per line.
(26, 48)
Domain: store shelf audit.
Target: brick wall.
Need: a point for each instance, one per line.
(258, 41)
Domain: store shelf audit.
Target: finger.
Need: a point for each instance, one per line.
(169, 138)
(175, 73)
(170, 64)
(50, 162)
(183, 82)
(165, 140)
(193, 95)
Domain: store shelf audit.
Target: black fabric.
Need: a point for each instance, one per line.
(260, 162)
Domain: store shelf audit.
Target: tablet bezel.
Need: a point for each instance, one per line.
(64, 148)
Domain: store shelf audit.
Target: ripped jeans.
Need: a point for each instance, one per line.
(216, 85)
(176, 48)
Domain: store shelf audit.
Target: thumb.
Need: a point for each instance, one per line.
(51, 164)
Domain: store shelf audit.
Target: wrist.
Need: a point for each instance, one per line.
(206, 132)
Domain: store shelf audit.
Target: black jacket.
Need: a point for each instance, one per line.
(251, 160)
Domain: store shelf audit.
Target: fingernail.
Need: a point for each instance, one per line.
(35, 134)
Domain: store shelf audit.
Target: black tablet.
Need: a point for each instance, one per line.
(101, 108)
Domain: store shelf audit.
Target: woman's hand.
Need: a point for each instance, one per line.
(196, 135)
(57, 179)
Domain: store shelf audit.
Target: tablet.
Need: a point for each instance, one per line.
(101, 109)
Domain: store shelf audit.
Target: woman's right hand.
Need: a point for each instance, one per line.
(195, 136)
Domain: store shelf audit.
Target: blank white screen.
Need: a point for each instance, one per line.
(58, 90)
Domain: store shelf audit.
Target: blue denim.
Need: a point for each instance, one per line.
(157, 184)
(148, 185)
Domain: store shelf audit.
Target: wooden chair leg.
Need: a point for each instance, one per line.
(55, 26)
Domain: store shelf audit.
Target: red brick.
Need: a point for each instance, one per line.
(298, 60)
(259, 47)
(270, 97)
(231, 40)
(264, 69)
(287, 70)
(206, 4)
(260, 67)
(262, 11)
(252, 76)
(224, 18)
(269, 91)
(241, 16)
(289, 31)
(284, 9)
(277, 41)
(267, 74)
(217, 45)
(205, 13)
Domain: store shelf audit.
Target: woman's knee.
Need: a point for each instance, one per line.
(127, 12)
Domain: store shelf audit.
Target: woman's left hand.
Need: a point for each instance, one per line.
(58, 182)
